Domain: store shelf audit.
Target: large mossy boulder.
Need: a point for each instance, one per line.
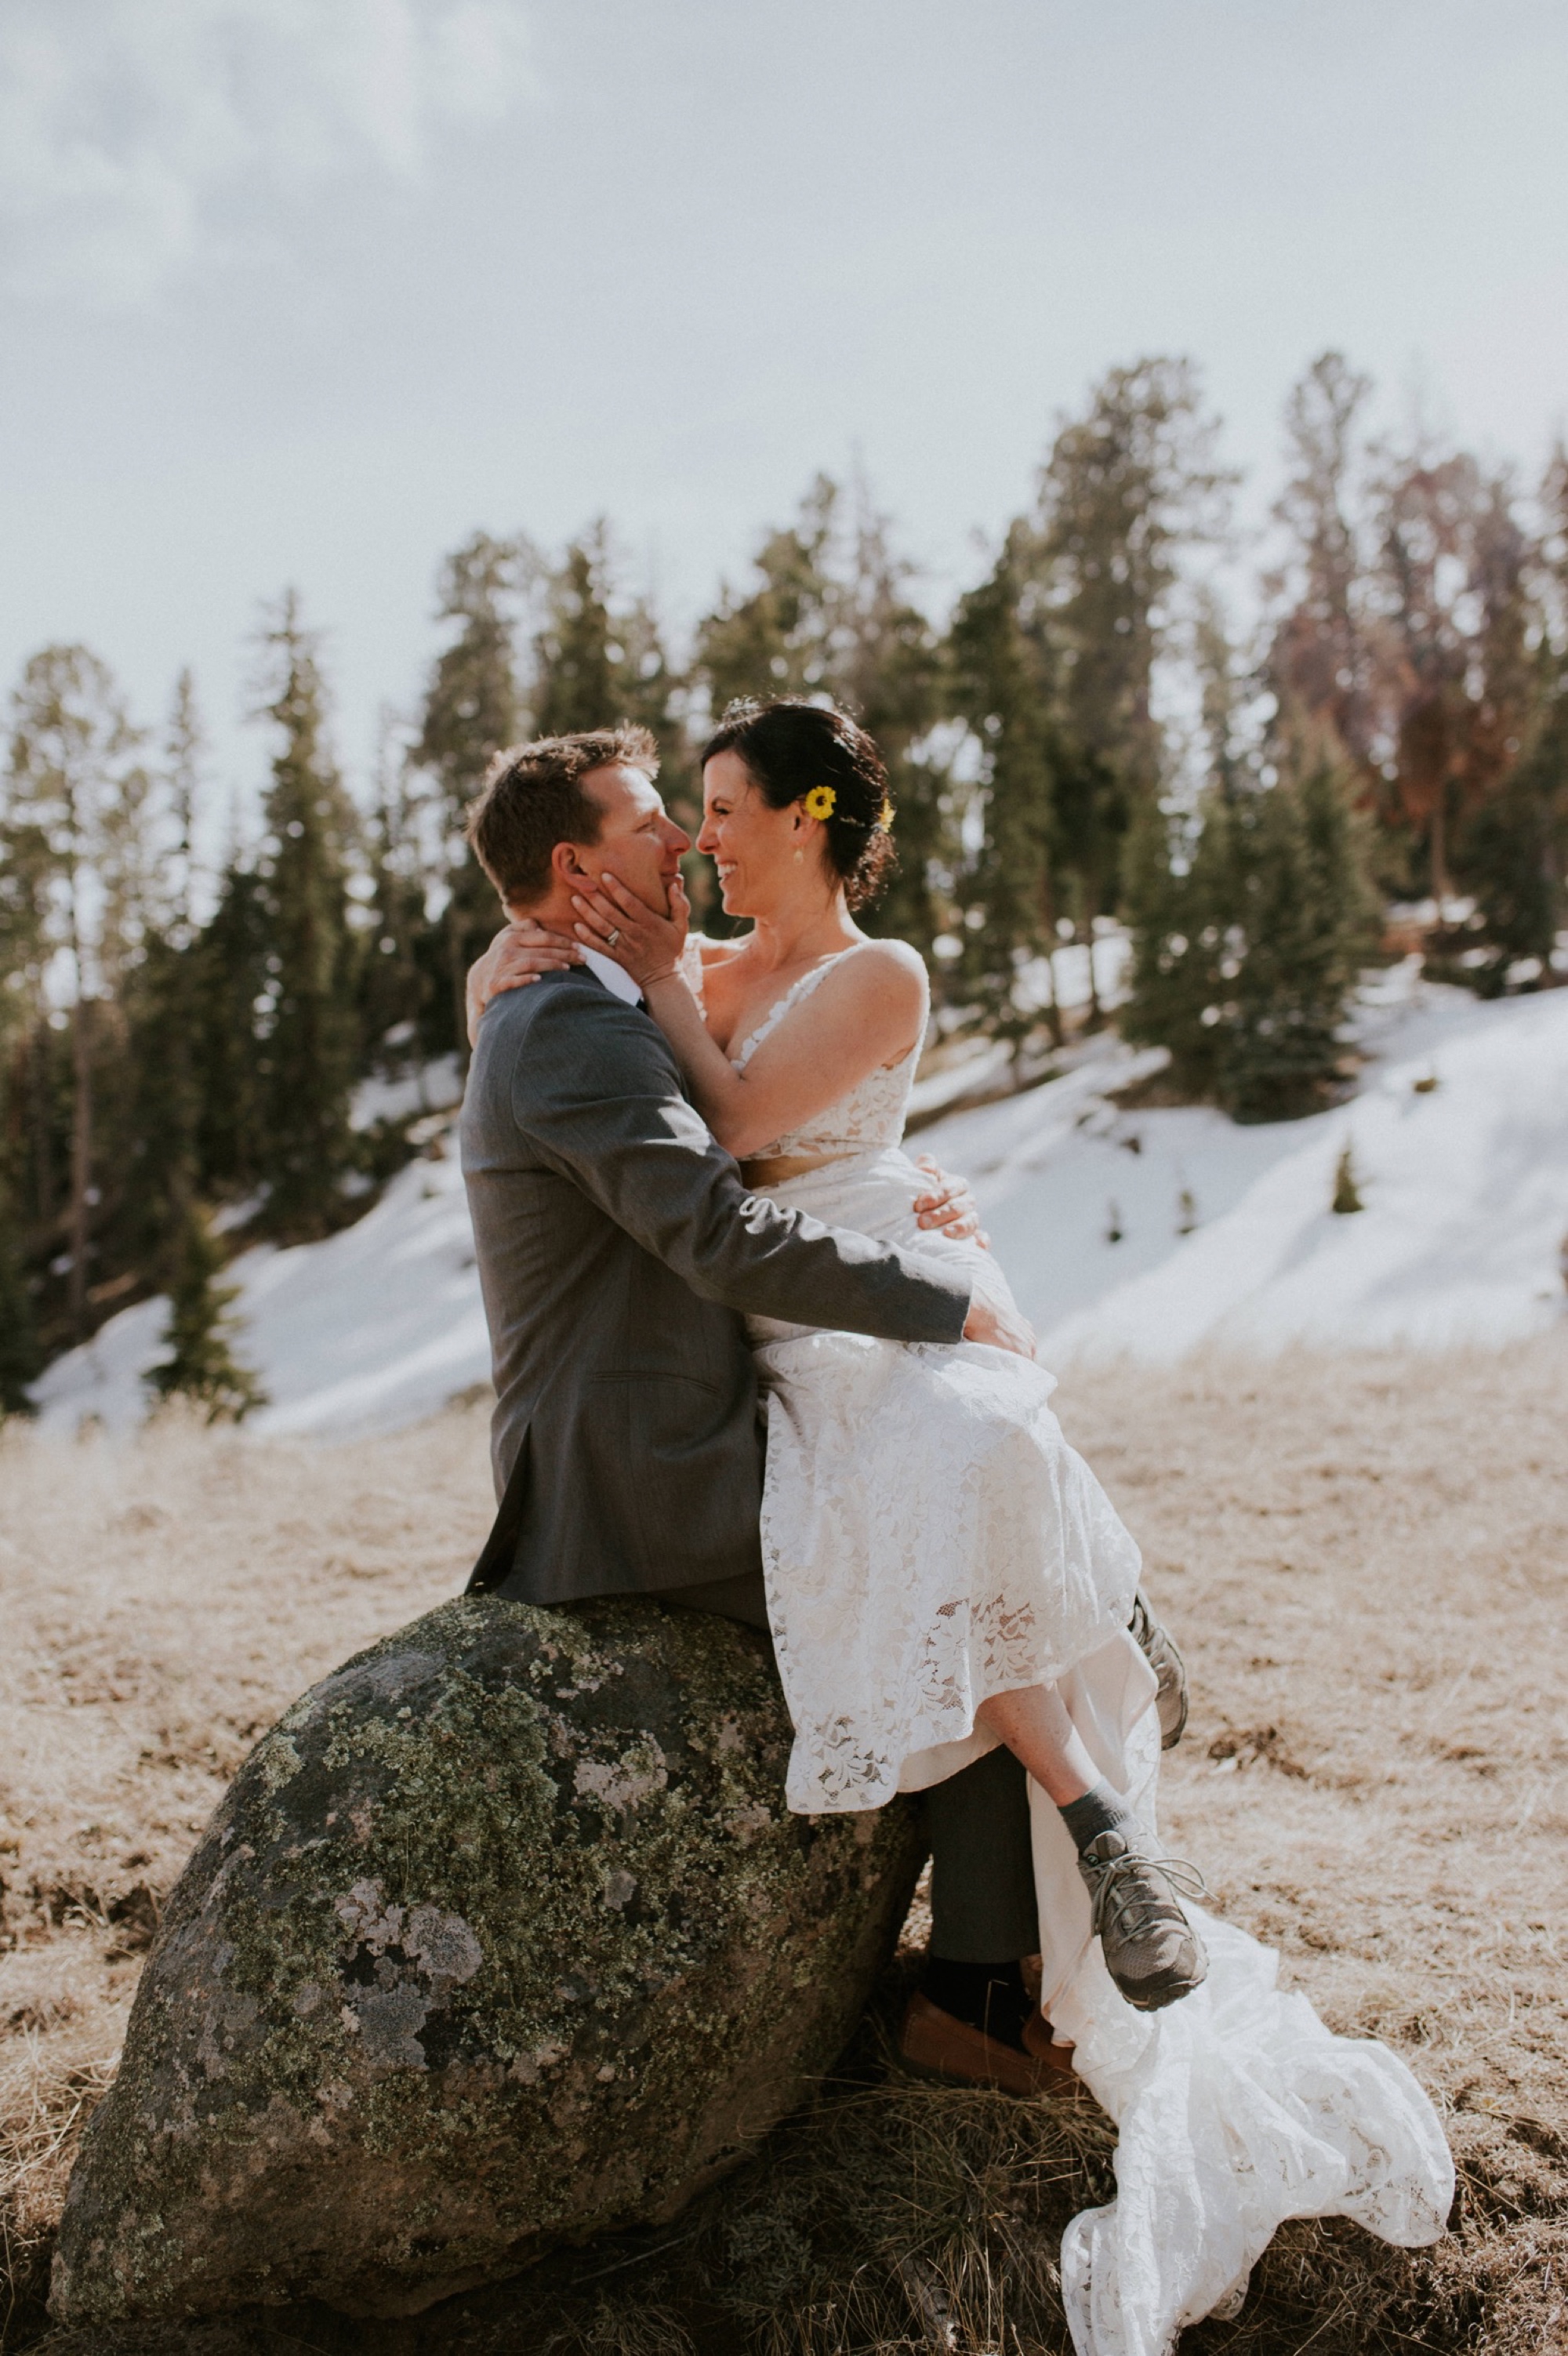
(501, 1937)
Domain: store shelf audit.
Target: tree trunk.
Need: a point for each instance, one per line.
(1438, 839)
(81, 1162)
(43, 1157)
(1091, 902)
(1053, 1004)
(1053, 1007)
(459, 973)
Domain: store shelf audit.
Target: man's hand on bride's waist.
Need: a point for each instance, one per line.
(949, 1207)
(1002, 1328)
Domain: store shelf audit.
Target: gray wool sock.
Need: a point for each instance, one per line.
(1099, 1811)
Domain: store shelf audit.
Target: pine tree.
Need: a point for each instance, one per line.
(201, 1366)
(1504, 858)
(1288, 973)
(1250, 922)
(21, 1359)
(1347, 1197)
(182, 776)
(1125, 490)
(1006, 884)
(1053, 661)
(1411, 635)
(1179, 898)
(400, 980)
(473, 708)
(599, 657)
(162, 1010)
(597, 654)
(1321, 661)
(1512, 852)
(162, 1110)
(308, 1019)
(768, 637)
(229, 978)
(886, 669)
(1248, 937)
(773, 637)
(27, 1122)
(828, 613)
(75, 833)
(1454, 672)
(581, 662)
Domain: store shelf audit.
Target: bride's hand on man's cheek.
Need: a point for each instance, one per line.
(618, 921)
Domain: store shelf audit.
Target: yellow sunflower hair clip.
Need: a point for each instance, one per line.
(821, 802)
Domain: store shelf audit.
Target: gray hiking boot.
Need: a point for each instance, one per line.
(1151, 1950)
(1159, 1650)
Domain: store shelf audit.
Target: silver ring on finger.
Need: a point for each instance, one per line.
(612, 936)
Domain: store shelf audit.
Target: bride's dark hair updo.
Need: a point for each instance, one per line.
(791, 745)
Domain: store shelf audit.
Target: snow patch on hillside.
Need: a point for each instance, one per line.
(1464, 1183)
(372, 1329)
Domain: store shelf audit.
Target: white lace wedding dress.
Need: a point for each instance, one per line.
(929, 1539)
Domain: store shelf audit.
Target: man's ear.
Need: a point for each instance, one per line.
(566, 866)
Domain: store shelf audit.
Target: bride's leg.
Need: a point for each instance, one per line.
(1151, 1950)
(1035, 1725)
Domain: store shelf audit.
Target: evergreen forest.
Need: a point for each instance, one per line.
(1368, 752)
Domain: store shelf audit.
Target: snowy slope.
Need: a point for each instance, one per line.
(1466, 1187)
(374, 1328)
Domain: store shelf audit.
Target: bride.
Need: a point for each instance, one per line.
(944, 1572)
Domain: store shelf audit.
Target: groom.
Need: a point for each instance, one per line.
(617, 1250)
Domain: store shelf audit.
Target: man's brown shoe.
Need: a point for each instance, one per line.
(935, 2044)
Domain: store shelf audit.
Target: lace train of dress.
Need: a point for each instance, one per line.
(1235, 2109)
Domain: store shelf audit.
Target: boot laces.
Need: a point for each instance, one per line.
(1123, 1894)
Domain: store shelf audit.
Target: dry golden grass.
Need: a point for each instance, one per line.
(1366, 1559)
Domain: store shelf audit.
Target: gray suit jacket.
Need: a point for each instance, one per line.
(617, 1246)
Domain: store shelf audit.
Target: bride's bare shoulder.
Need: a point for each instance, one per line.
(888, 965)
(903, 954)
(884, 982)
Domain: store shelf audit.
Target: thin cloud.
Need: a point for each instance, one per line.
(138, 138)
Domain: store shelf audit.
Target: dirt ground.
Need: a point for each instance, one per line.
(1366, 1559)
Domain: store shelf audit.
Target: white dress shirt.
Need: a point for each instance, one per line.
(614, 977)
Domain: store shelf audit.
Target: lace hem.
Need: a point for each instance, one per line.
(1235, 2109)
(930, 1539)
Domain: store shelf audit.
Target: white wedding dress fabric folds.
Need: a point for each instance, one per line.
(928, 1539)
(1235, 2109)
(928, 1535)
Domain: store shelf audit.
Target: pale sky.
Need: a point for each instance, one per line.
(303, 291)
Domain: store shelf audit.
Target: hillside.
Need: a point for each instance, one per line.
(1459, 1135)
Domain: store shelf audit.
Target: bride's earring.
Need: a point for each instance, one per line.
(799, 855)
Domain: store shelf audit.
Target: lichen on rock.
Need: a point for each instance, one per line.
(503, 1936)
